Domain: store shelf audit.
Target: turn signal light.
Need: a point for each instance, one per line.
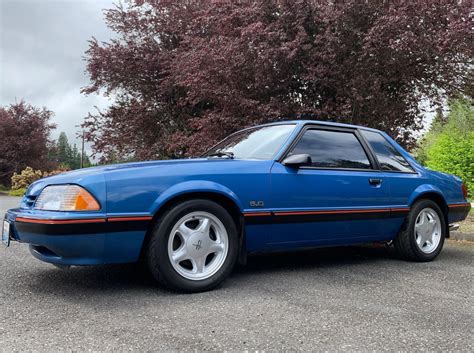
(85, 201)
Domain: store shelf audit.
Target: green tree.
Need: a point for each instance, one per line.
(64, 151)
(430, 137)
(449, 147)
(75, 158)
(67, 156)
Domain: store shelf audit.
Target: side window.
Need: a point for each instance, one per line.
(332, 149)
(389, 158)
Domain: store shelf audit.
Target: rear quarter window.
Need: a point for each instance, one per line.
(388, 156)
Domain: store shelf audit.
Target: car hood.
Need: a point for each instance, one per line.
(96, 174)
(131, 165)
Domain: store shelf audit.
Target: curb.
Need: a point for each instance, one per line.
(461, 236)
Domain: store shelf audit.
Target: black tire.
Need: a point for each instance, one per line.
(158, 259)
(405, 242)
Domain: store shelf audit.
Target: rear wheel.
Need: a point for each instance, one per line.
(194, 246)
(422, 235)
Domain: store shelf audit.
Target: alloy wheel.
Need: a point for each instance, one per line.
(198, 245)
(427, 230)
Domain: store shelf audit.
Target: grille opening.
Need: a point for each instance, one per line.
(30, 200)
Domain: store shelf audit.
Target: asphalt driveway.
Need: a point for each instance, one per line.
(330, 299)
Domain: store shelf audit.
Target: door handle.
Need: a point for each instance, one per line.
(375, 181)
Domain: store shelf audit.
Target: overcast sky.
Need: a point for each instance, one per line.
(42, 44)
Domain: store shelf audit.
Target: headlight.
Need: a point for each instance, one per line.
(66, 198)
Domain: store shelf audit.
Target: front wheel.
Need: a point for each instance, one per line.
(422, 236)
(194, 246)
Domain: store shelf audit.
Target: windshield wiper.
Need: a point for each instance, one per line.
(229, 155)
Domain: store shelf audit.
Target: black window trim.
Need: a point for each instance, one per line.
(376, 158)
(374, 164)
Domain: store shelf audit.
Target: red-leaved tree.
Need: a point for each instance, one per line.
(185, 74)
(24, 134)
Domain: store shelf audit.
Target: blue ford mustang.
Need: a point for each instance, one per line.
(281, 186)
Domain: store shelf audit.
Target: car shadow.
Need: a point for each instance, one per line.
(316, 258)
(135, 278)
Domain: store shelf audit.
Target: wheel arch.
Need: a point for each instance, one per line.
(219, 198)
(198, 190)
(187, 188)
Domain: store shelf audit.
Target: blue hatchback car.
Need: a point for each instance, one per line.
(275, 187)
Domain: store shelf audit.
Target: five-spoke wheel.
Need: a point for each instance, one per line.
(428, 230)
(194, 246)
(422, 236)
(198, 245)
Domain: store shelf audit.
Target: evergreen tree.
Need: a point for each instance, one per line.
(64, 151)
(75, 160)
(67, 156)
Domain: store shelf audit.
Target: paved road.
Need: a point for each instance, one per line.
(338, 299)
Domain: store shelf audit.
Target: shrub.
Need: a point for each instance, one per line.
(57, 171)
(17, 192)
(29, 175)
(454, 154)
(449, 147)
(26, 177)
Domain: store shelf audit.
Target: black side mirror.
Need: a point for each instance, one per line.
(297, 160)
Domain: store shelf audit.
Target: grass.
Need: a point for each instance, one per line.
(18, 192)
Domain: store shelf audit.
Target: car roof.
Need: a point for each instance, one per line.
(318, 122)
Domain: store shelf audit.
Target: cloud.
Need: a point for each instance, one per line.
(42, 45)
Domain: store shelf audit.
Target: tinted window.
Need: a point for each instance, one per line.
(389, 158)
(258, 143)
(333, 149)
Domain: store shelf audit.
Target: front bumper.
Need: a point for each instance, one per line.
(78, 239)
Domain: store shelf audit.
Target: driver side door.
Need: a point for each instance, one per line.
(340, 198)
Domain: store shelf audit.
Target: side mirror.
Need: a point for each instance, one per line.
(297, 160)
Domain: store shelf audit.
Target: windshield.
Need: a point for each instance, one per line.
(257, 143)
